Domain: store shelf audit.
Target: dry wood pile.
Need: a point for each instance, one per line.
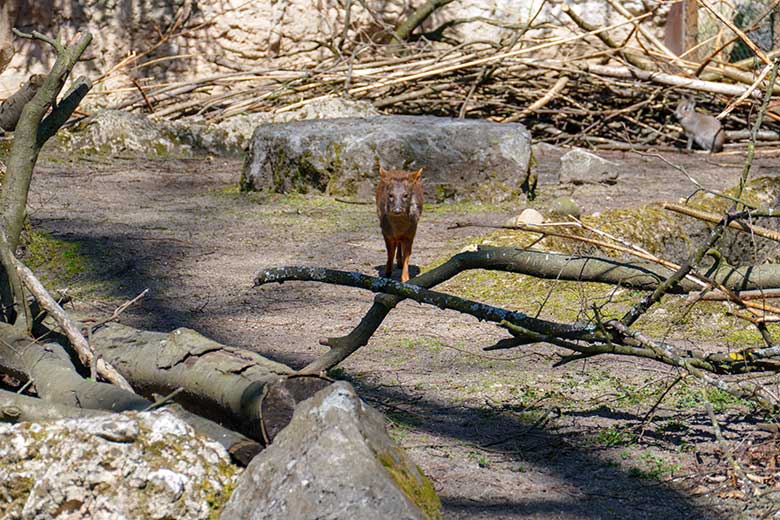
(570, 83)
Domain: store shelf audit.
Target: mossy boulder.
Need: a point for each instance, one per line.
(115, 132)
(334, 460)
(130, 465)
(461, 159)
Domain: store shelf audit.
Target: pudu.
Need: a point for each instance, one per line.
(399, 204)
(704, 129)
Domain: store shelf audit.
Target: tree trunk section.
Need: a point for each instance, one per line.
(57, 381)
(11, 108)
(237, 388)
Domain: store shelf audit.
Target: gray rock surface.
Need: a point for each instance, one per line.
(232, 135)
(333, 461)
(114, 132)
(581, 167)
(134, 465)
(460, 158)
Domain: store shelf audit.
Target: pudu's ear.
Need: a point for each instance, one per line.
(382, 173)
(416, 175)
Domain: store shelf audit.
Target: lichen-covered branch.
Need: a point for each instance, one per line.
(481, 311)
(613, 337)
(637, 275)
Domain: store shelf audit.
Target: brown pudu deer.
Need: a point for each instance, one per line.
(399, 204)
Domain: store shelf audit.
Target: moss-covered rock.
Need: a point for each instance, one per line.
(334, 460)
(131, 465)
(461, 159)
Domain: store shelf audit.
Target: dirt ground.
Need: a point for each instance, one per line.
(503, 435)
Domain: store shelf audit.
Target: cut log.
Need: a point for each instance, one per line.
(11, 108)
(57, 381)
(237, 388)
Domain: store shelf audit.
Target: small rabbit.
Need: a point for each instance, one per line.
(702, 128)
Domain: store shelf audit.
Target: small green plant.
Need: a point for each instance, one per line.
(655, 467)
(481, 460)
(690, 396)
(614, 437)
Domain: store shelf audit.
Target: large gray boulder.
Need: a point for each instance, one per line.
(333, 461)
(461, 158)
(231, 136)
(132, 465)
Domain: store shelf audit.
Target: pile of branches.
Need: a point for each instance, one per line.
(570, 84)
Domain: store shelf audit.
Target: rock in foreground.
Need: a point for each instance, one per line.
(333, 461)
(461, 158)
(133, 465)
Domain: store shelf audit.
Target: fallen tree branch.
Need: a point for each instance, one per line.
(713, 218)
(58, 382)
(637, 275)
(68, 326)
(668, 79)
(235, 387)
(551, 94)
(612, 337)
(481, 311)
(15, 408)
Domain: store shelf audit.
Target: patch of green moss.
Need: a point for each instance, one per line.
(5, 148)
(758, 192)
(18, 491)
(216, 498)
(463, 207)
(58, 260)
(414, 484)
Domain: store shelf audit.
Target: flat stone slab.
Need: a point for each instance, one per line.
(461, 158)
